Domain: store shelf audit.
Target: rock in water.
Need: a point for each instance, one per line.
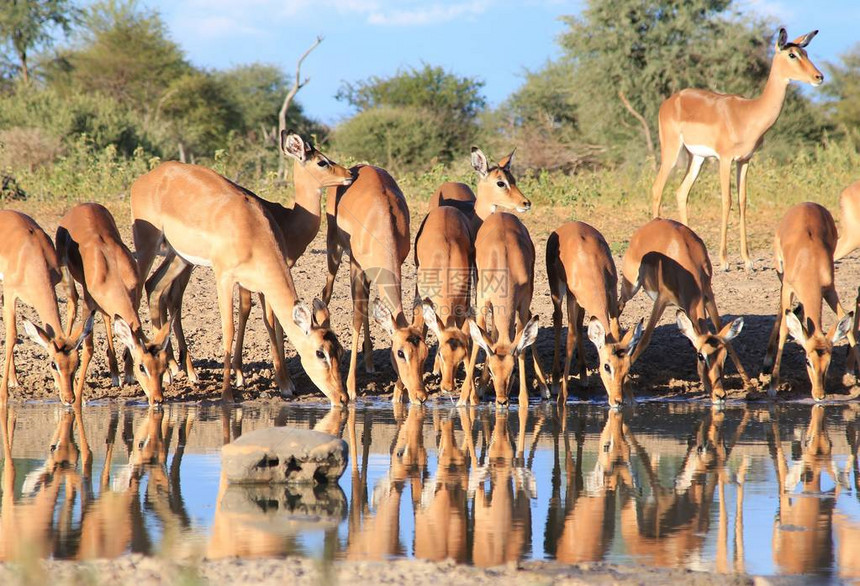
(284, 455)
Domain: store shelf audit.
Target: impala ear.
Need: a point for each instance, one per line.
(382, 315)
(479, 162)
(36, 334)
(293, 145)
(685, 325)
(505, 163)
(434, 324)
(841, 329)
(418, 313)
(86, 330)
(322, 317)
(302, 317)
(731, 330)
(596, 333)
(781, 39)
(123, 331)
(804, 40)
(479, 337)
(635, 336)
(795, 328)
(527, 336)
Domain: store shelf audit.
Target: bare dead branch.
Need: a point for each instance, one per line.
(646, 131)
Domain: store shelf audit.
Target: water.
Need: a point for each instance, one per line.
(750, 488)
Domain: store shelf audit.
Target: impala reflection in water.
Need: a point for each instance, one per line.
(741, 489)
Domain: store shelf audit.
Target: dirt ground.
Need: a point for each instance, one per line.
(666, 370)
(142, 571)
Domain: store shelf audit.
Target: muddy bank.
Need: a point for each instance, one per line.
(142, 571)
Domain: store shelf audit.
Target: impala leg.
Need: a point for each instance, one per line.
(715, 319)
(570, 345)
(556, 330)
(174, 301)
(743, 166)
(360, 293)
(770, 354)
(334, 255)
(832, 299)
(71, 300)
(110, 352)
(10, 301)
(687, 184)
(279, 360)
(521, 366)
(726, 193)
(578, 318)
(244, 312)
(86, 357)
(468, 394)
(785, 304)
(628, 290)
(656, 313)
(853, 360)
(225, 306)
(670, 148)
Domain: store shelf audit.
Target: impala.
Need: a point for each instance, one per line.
(90, 247)
(804, 245)
(670, 261)
(505, 261)
(444, 256)
(30, 271)
(496, 191)
(204, 219)
(580, 269)
(849, 208)
(730, 128)
(370, 221)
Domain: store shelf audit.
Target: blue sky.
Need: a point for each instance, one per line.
(495, 40)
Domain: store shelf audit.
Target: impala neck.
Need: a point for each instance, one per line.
(483, 208)
(48, 311)
(767, 107)
(306, 207)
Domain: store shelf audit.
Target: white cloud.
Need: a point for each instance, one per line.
(427, 14)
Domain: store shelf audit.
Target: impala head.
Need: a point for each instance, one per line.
(711, 351)
(818, 347)
(150, 357)
(62, 352)
(615, 357)
(496, 184)
(408, 350)
(323, 170)
(502, 357)
(455, 345)
(614, 454)
(794, 61)
(148, 448)
(319, 349)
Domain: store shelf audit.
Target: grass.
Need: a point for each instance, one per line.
(615, 201)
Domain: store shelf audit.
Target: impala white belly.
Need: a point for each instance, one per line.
(701, 150)
(651, 294)
(1, 276)
(195, 260)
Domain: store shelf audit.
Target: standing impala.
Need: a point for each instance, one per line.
(505, 261)
(804, 246)
(313, 172)
(89, 245)
(29, 271)
(730, 128)
(204, 219)
(580, 268)
(670, 261)
(849, 208)
(370, 220)
(444, 256)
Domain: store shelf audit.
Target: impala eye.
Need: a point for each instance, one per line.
(401, 355)
(700, 356)
(792, 56)
(320, 354)
(808, 363)
(501, 184)
(141, 368)
(55, 366)
(606, 367)
(323, 163)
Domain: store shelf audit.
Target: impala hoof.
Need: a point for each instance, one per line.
(288, 389)
(771, 392)
(114, 380)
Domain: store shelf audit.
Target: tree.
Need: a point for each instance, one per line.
(622, 58)
(26, 25)
(430, 98)
(844, 89)
(199, 114)
(124, 52)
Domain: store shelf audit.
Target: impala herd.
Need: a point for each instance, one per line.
(470, 245)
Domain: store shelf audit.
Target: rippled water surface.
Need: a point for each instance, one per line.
(756, 489)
